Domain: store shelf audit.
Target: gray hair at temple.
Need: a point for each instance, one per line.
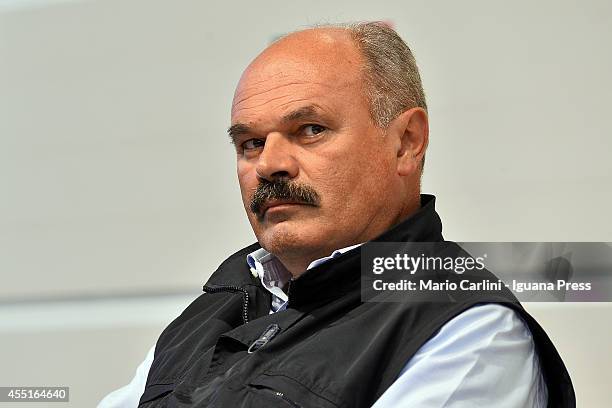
(393, 83)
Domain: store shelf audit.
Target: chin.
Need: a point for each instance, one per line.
(291, 238)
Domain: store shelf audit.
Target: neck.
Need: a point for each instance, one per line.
(297, 262)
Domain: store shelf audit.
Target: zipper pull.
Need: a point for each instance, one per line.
(265, 337)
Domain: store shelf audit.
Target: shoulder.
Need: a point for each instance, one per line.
(485, 355)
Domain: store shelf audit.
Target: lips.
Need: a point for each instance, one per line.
(275, 203)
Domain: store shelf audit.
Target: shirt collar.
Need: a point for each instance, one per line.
(274, 276)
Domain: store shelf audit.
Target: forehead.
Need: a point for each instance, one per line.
(313, 69)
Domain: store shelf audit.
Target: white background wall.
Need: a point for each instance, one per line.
(118, 194)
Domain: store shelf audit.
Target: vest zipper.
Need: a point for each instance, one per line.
(271, 331)
(233, 289)
(287, 400)
(281, 396)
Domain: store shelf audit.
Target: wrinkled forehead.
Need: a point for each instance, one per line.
(301, 66)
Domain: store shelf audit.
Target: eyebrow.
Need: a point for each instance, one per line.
(303, 113)
(237, 130)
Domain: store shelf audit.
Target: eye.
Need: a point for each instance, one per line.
(252, 144)
(313, 130)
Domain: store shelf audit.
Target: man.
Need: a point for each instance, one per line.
(330, 128)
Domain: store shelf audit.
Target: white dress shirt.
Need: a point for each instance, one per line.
(483, 357)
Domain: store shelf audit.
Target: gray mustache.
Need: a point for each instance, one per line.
(282, 189)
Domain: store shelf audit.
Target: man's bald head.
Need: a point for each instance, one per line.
(323, 55)
(313, 42)
(391, 79)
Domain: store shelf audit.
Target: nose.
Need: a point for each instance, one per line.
(276, 160)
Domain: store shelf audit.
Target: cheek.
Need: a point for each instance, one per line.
(352, 182)
(340, 183)
(247, 180)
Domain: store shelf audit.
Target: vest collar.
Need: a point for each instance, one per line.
(340, 275)
(343, 274)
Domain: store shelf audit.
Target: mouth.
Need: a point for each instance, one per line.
(277, 204)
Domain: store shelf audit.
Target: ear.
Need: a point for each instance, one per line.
(411, 131)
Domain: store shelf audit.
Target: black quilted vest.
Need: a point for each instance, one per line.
(327, 349)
